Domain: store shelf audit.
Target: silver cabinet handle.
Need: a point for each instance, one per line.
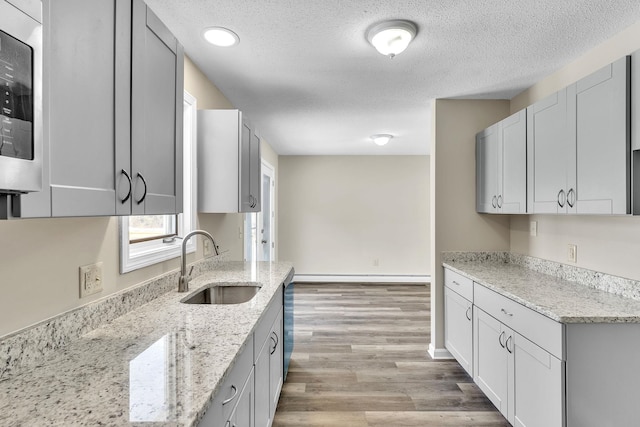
(130, 186)
(500, 339)
(571, 198)
(494, 201)
(145, 188)
(467, 314)
(274, 338)
(506, 312)
(561, 198)
(500, 201)
(456, 283)
(235, 392)
(506, 344)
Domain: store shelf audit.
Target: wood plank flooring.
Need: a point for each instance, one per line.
(360, 359)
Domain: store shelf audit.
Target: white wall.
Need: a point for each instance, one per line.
(340, 213)
(39, 258)
(608, 244)
(455, 225)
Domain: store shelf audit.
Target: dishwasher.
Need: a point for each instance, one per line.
(288, 288)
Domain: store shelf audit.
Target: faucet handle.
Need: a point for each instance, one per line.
(191, 271)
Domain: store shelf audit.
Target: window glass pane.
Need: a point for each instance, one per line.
(146, 227)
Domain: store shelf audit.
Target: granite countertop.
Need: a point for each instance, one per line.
(561, 300)
(157, 365)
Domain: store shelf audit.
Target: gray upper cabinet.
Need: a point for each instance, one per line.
(501, 164)
(578, 146)
(547, 153)
(110, 123)
(156, 115)
(228, 163)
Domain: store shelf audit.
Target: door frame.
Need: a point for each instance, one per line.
(270, 171)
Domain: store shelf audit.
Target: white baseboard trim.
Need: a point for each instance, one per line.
(439, 353)
(361, 278)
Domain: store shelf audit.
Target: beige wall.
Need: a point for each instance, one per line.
(339, 213)
(455, 225)
(39, 258)
(608, 244)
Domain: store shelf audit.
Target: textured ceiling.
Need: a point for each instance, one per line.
(308, 79)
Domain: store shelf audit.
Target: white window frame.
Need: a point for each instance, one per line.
(143, 254)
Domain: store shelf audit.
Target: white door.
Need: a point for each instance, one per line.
(259, 228)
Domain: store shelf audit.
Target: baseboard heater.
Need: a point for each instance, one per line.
(360, 278)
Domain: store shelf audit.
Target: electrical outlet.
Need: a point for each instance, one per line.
(90, 279)
(376, 262)
(533, 228)
(206, 247)
(572, 253)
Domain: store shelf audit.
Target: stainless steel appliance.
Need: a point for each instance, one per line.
(21, 135)
(288, 321)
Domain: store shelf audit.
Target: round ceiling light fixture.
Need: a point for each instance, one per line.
(220, 36)
(392, 37)
(381, 139)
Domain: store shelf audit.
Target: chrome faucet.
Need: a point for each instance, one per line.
(183, 281)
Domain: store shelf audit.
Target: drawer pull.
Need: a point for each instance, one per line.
(456, 283)
(507, 344)
(235, 392)
(468, 313)
(500, 339)
(506, 312)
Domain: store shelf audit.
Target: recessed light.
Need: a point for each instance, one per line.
(381, 139)
(220, 36)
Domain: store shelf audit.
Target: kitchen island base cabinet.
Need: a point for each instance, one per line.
(522, 380)
(603, 374)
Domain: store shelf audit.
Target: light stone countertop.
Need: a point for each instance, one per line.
(157, 365)
(561, 300)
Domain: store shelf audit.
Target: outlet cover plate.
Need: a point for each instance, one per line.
(207, 250)
(572, 253)
(533, 228)
(90, 279)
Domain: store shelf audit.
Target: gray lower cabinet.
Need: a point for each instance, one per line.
(229, 163)
(233, 404)
(578, 145)
(458, 318)
(522, 380)
(269, 365)
(501, 164)
(113, 112)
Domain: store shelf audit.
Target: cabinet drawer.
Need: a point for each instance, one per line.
(536, 327)
(263, 330)
(232, 386)
(459, 284)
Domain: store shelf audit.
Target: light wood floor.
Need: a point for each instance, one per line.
(360, 359)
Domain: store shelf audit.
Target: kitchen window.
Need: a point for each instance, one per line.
(150, 239)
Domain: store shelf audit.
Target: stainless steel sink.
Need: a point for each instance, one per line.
(224, 293)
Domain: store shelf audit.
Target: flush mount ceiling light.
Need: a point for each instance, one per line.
(381, 139)
(392, 37)
(220, 36)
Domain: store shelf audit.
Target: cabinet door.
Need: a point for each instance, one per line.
(512, 164)
(600, 182)
(85, 130)
(262, 388)
(156, 145)
(490, 359)
(539, 386)
(276, 364)
(487, 170)
(547, 154)
(255, 163)
(246, 136)
(242, 415)
(458, 328)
